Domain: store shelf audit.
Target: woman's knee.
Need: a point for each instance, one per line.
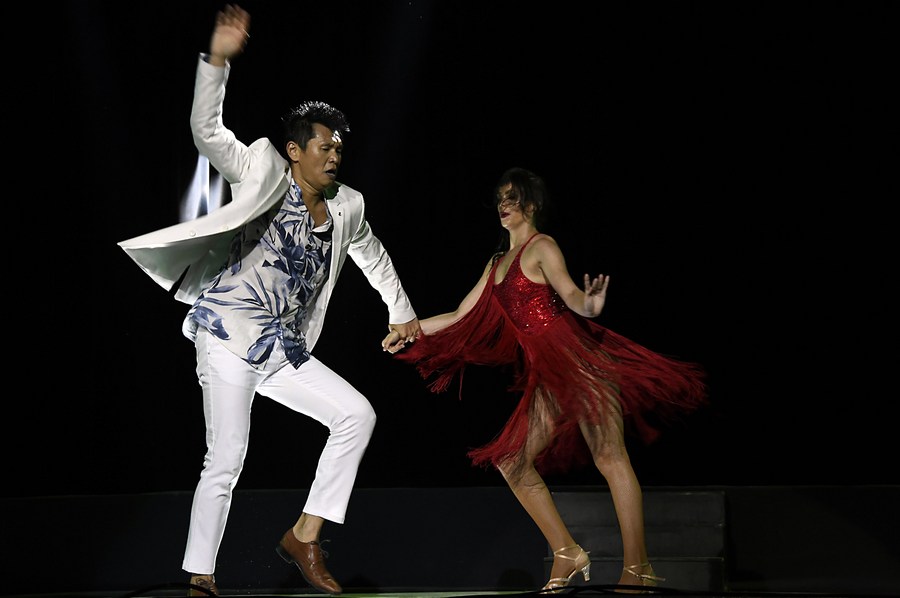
(517, 471)
(608, 457)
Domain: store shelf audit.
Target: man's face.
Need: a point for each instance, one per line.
(320, 161)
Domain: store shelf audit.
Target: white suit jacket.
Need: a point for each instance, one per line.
(259, 177)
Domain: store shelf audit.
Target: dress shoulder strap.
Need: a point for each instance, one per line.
(530, 239)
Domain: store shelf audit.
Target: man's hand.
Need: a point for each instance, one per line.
(230, 34)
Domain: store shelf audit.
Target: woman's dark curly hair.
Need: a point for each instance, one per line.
(530, 193)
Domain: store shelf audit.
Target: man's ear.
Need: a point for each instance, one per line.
(292, 150)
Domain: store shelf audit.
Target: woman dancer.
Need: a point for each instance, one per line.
(581, 384)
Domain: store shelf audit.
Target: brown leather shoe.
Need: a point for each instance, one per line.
(310, 559)
(207, 584)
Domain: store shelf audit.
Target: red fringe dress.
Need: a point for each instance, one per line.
(567, 367)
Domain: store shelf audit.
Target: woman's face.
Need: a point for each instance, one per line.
(509, 206)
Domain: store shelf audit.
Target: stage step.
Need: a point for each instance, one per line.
(685, 533)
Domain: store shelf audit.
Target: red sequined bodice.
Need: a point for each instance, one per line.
(530, 305)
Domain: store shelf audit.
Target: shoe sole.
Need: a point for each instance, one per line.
(290, 560)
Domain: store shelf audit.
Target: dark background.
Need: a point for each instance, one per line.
(732, 166)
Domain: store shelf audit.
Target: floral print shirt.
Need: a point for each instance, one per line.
(276, 266)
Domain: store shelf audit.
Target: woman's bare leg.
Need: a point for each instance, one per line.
(607, 444)
(532, 493)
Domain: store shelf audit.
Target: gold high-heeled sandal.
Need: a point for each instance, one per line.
(582, 563)
(645, 579)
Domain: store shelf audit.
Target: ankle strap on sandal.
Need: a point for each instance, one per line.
(561, 551)
(632, 569)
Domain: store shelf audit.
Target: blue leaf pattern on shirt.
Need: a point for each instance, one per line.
(262, 295)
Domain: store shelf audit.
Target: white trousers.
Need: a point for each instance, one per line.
(229, 385)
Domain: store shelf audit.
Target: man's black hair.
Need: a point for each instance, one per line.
(298, 121)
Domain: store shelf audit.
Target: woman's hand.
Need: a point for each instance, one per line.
(595, 294)
(393, 342)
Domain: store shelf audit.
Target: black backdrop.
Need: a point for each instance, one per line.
(731, 165)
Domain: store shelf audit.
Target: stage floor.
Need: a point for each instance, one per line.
(177, 590)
